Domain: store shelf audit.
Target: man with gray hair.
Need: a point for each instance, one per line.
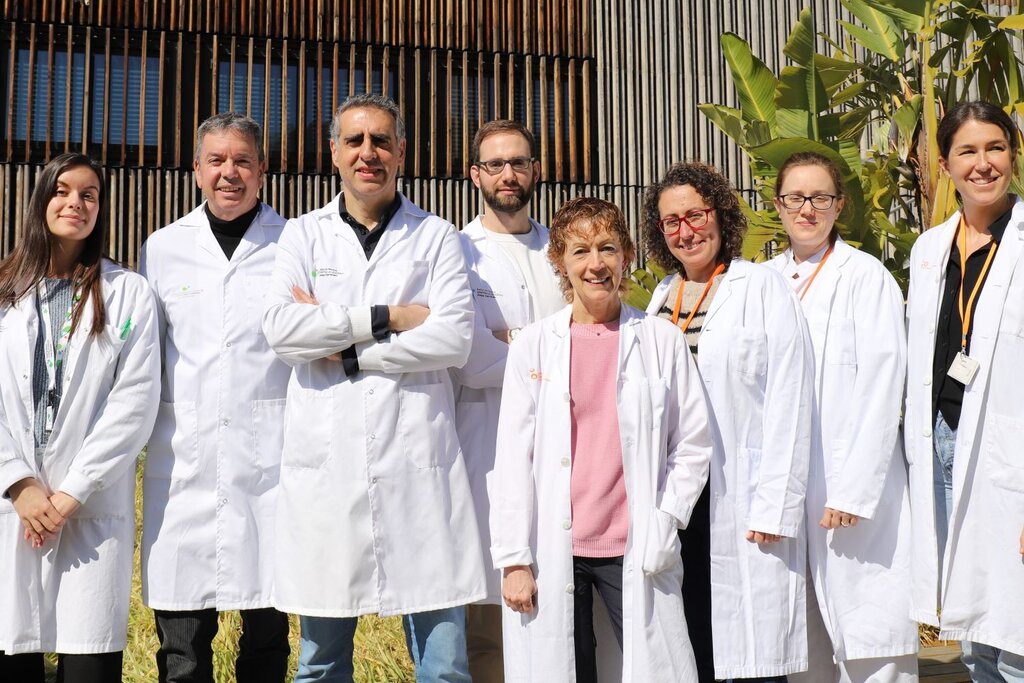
(211, 476)
(370, 304)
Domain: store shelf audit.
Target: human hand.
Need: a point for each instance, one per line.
(301, 296)
(762, 538)
(405, 318)
(518, 588)
(40, 518)
(502, 335)
(66, 505)
(833, 519)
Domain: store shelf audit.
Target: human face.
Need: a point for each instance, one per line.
(980, 164)
(595, 262)
(697, 250)
(808, 228)
(72, 211)
(368, 154)
(229, 173)
(507, 191)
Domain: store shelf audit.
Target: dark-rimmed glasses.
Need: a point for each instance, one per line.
(695, 218)
(819, 202)
(496, 166)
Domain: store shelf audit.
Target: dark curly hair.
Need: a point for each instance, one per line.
(715, 189)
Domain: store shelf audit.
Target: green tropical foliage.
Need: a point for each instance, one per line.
(872, 104)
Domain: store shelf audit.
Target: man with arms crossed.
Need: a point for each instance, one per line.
(370, 305)
(513, 285)
(210, 482)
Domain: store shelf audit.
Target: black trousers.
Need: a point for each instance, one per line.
(695, 547)
(103, 667)
(695, 544)
(186, 646)
(604, 574)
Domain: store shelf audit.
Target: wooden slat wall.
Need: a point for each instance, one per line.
(298, 82)
(144, 200)
(506, 26)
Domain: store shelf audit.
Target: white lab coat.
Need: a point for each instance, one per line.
(854, 311)
(71, 596)
(210, 482)
(375, 513)
(502, 302)
(756, 361)
(665, 440)
(981, 590)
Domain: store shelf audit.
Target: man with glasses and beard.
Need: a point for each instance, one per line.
(513, 285)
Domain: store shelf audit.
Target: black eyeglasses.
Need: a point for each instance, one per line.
(795, 202)
(697, 219)
(496, 166)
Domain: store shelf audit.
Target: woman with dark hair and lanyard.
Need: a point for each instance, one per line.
(858, 511)
(744, 552)
(965, 392)
(79, 383)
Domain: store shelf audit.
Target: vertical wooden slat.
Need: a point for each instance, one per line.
(160, 101)
(69, 61)
(301, 122)
(29, 91)
(142, 100)
(106, 96)
(49, 91)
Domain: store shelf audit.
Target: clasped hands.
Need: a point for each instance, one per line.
(42, 514)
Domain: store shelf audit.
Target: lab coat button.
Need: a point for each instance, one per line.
(570, 588)
(926, 432)
(927, 381)
(566, 462)
(370, 392)
(226, 422)
(372, 437)
(567, 524)
(566, 396)
(228, 345)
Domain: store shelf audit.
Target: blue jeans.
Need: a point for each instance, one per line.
(436, 642)
(987, 664)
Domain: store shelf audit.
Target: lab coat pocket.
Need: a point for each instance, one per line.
(173, 450)
(841, 347)
(748, 352)
(268, 433)
(406, 281)
(1004, 464)
(255, 298)
(661, 546)
(425, 425)
(308, 430)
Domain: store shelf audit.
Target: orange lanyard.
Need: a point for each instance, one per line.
(965, 312)
(679, 298)
(817, 270)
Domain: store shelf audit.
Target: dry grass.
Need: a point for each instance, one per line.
(380, 654)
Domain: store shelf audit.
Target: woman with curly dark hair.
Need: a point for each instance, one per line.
(744, 551)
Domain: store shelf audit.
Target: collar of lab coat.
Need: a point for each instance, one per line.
(737, 271)
(629, 318)
(407, 218)
(254, 238)
(477, 235)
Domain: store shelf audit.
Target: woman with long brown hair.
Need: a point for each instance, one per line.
(79, 370)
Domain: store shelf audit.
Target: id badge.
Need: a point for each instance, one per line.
(49, 418)
(963, 369)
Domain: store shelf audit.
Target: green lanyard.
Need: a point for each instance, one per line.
(54, 349)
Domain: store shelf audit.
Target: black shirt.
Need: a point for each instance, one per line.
(229, 233)
(368, 239)
(948, 393)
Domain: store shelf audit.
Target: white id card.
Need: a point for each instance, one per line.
(963, 368)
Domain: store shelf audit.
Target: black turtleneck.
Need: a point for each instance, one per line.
(229, 233)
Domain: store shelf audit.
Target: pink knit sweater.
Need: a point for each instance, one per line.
(600, 516)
